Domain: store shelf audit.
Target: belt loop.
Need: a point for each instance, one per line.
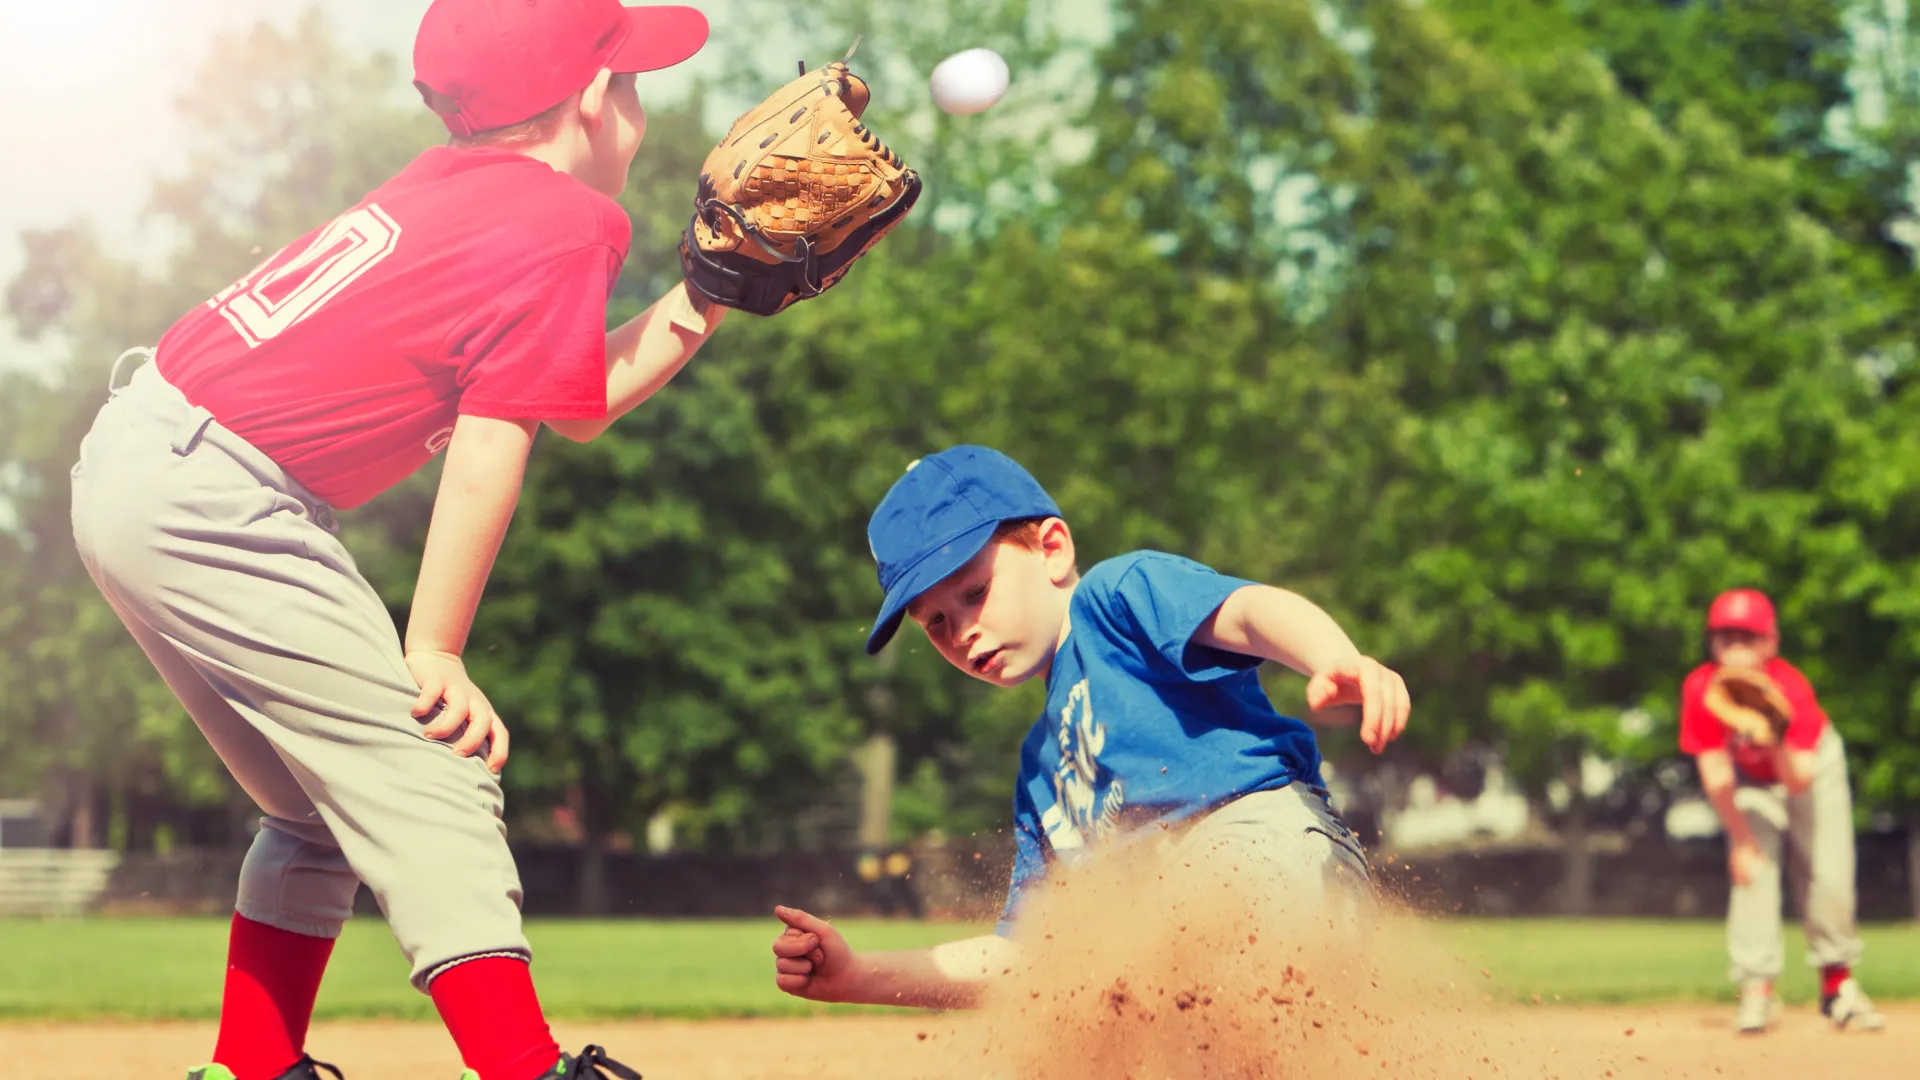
(189, 435)
(113, 376)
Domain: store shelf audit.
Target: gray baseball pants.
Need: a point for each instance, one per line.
(1291, 839)
(229, 575)
(1815, 828)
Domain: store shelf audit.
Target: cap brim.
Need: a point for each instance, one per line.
(660, 37)
(930, 571)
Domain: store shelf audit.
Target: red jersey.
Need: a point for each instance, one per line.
(1700, 730)
(475, 281)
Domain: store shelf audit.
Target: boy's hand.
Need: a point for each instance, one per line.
(468, 719)
(1379, 691)
(1746, 862)
(812, 960)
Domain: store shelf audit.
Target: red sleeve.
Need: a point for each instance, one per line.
(1700, 730)
(1809, 719)
(540, 351)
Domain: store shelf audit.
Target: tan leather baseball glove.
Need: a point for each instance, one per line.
(1750, 704)
(796, 192)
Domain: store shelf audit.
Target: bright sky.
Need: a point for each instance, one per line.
(87, 87)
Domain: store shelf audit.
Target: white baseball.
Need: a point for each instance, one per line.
(969, 82)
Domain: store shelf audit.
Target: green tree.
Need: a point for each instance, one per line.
(1570, 368)
(1630, 360)
(1806, 80)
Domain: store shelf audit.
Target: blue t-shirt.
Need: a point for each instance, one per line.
(1141, 725)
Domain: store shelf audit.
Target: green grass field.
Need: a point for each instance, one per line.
(171, 968)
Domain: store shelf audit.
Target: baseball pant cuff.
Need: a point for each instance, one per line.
(291, 925)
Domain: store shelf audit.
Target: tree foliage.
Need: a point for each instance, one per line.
(1509, 332)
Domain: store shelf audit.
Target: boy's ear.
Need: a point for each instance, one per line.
(593, 101)
(1056, 544)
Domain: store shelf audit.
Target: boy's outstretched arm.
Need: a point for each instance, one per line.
(645, 353)
(812, 961)
(1287, 628)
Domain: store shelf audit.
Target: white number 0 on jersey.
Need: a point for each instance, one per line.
(263, 306)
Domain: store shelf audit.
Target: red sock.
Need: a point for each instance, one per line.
(494, 1017)
(1831, 977)
(272, 977)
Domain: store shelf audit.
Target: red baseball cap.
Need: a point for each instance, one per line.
(485, 64)
(1742, 609)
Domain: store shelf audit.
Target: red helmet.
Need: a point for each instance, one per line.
(1743, 609)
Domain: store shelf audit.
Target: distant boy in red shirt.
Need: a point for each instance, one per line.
(1794, 792)
(458, 307)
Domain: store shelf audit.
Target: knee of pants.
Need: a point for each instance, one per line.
(1831, 867)
(1830, 897)
(296, 879)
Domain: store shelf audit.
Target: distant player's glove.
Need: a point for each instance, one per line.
(797, 191)
(1749, 703)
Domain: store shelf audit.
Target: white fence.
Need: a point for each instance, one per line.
(53, 881)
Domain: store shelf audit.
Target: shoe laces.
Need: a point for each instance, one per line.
(593, 1064)
(313, 1068)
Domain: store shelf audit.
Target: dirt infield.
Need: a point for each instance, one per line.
(1665, 1042)
(1222, 963)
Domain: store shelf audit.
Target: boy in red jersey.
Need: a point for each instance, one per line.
(458, 307)
(1792, 797)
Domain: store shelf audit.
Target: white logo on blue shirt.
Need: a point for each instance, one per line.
(1087, 796)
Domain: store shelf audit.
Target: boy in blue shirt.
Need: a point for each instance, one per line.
(1155, 715)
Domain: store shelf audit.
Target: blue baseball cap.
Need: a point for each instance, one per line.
(940, 515)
